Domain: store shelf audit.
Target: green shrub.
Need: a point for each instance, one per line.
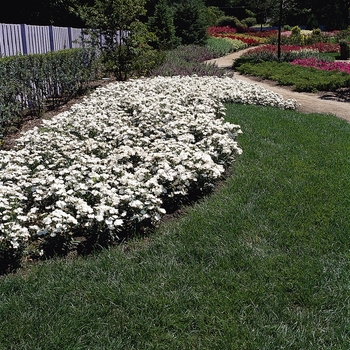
(230, 21)
(34, 83)
(213, 13)
(316, 31)
(162, 24)
(301, 78)
(147, 62)
(190, 21)
(296, 30)
(236, 44)
(249, 21)
(223, 46)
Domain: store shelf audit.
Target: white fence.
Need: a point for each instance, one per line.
(29, 39)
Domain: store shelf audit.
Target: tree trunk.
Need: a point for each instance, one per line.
(279, 30)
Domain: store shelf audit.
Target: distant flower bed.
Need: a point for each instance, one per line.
(323, 65)
(263, 34)
(319, 47)
(246, 38)
(269, 53)
(213, 31)
(249, 37)
(325, 47)
(114, 161)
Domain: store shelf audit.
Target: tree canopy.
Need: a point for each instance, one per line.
(311, 13)
(42, 12)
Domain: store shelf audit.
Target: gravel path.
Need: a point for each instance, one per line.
(309, 102)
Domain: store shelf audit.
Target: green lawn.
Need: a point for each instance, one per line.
(262, 263)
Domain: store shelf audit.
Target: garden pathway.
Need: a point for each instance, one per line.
(322, 102)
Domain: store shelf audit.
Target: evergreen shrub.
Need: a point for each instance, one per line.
(31, 84)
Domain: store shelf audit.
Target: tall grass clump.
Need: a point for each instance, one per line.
(223, 46)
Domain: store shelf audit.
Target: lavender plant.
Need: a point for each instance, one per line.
(188, 60)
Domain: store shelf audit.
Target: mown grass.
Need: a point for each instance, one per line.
(262, 263)
(300, 78)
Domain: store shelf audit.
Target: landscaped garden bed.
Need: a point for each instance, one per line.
(305, 48)
(249, 37)
(304, 67)
(113, 163)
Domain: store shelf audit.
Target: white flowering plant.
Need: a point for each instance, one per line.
(116, 160)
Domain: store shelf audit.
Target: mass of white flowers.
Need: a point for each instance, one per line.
(118, 156)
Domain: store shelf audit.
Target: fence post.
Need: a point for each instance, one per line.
(52, 45)
(24, 39)
(70, 37)
(82, 38)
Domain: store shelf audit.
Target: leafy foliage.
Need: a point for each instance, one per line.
(190, 22)
(35, 83)
(162, 24)
(213, 13)
(223, 46)
(125, 39)
(232, 22)
(300, 78)
(188, 60)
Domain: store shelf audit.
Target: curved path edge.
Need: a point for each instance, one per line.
(309, 102)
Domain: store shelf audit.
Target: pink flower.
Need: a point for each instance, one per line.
(323, 65)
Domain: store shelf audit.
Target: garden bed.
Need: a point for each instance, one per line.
(113, 163)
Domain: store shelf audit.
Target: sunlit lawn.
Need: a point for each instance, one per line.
(262, 263)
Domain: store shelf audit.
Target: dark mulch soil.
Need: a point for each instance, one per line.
(342, 95)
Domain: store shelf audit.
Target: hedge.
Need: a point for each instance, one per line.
(31, 84)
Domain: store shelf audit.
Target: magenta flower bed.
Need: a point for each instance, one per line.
(323, 65)
(325, 47)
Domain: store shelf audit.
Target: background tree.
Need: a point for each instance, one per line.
(262, 9)
(162, 24)
(223, 3)
(42, 12)
(283, 7)
(331, 14)
(125, 38)
(213, 13)
(190, 21)
(316, 13)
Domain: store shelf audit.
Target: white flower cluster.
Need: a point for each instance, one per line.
(117, 156)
